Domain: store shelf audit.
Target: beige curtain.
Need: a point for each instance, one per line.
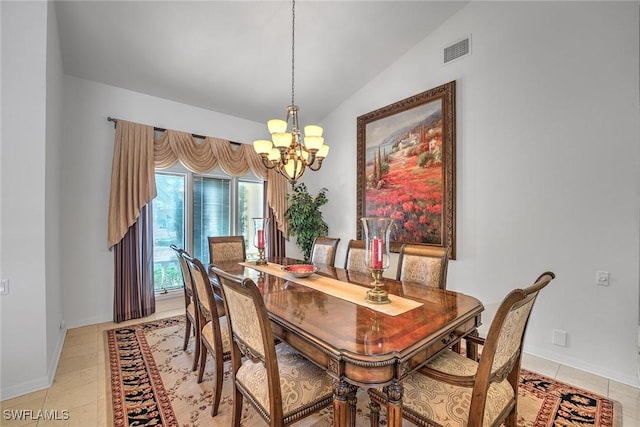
(136, 155)
(133, 183)
(129, 229)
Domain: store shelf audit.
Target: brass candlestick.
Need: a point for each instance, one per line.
(376, 233)
(377, 295)
(261, 260)
(260, 238)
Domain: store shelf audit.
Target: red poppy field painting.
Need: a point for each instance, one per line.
(406, 168)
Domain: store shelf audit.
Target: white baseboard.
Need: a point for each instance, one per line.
(53, 364)
(24, 388)
(581, 365)
(38, 383)
(89, 321)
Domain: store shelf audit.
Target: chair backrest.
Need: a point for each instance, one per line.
(423, 264)
(324, 249)
(206, 299)
(502, 350)
(250, 330)
(226, 249)
(186, 275)
(355, 259)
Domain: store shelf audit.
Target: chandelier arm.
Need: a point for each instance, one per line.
(267, 163)
(312, 166)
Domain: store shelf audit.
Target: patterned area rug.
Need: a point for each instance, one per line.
(152, 384)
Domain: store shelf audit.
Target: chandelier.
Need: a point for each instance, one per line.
(288, 152)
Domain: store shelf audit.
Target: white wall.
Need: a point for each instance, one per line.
(86, 175)
(548, 151)
(53, 248)
(23, 310)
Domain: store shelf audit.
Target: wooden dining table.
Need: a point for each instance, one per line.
(360, 344)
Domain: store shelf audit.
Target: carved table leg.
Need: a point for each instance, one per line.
(353, 401)
(472, 348)
(374, 413)
(341, 392)
(394, 404)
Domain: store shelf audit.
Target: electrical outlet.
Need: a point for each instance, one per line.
(602, 278)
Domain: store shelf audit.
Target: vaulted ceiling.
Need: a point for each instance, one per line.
(234, 57)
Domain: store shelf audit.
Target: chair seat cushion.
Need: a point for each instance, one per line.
(446, 404)
(305, 387)
(207, 334)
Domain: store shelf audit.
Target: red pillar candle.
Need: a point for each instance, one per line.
(260, 239)
(376, 253)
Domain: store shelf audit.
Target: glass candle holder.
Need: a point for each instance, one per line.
(260, 238)
(376, 235)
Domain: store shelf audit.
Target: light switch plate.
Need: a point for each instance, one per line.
(4, 287)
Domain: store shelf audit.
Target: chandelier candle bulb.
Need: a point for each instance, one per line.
(262, 146)
(282, 139)
(313, 142)
(276, 126)
(274, 154)
(312, 130)
(323, 151)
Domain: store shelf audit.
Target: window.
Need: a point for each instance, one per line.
(189, 208)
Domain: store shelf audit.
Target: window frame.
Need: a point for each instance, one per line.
(189, 179)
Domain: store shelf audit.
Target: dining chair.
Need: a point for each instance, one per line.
(423, 264)
(355, 259)
(324, 249)
(278, 382)
(454, 390)
(214, 332)
(190, 306)
(226, 248)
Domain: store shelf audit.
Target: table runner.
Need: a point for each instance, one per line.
(339, 289)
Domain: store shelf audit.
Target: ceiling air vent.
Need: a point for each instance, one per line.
(458, 49)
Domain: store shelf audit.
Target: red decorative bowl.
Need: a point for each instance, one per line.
(300, 270)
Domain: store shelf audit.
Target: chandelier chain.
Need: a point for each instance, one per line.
(293, 51)
(286, 153)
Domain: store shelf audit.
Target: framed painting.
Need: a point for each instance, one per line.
(406, 168)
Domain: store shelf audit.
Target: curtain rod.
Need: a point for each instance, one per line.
(157, 129)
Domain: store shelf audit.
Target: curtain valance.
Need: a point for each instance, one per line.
(137, 153)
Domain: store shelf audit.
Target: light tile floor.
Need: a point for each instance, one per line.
(80, 384)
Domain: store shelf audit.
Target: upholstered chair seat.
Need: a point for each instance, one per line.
(208, 332)
(455, 391)
(278, 382)
(303, 385)
(447, 404)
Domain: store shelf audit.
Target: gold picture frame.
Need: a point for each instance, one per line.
(406, 168)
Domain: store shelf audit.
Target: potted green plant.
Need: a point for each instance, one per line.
(305, 218)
